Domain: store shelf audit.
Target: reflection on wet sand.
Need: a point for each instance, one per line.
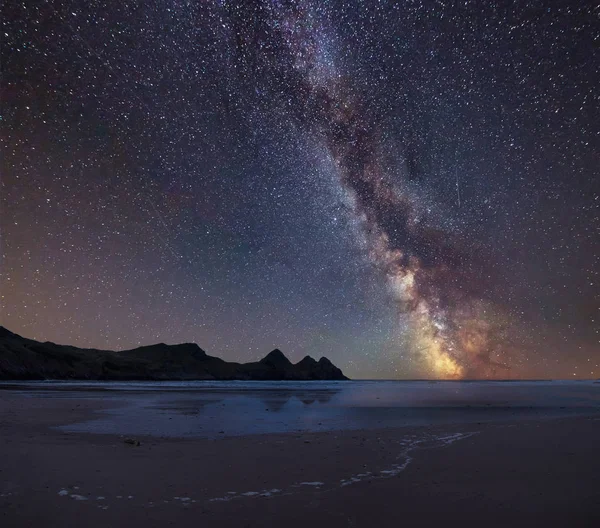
(187, 409)
(275, 401)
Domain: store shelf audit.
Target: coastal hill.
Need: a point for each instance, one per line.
(27, 359)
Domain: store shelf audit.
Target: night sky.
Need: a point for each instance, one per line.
(408, 188)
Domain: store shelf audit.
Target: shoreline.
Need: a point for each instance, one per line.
(273, 408)
(538, 471)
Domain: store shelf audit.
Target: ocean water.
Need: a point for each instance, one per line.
(214, 409)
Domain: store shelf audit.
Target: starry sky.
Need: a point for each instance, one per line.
(408, 188)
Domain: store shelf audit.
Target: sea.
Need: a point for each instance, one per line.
(215, 409)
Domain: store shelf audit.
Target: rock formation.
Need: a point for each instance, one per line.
(26, 359)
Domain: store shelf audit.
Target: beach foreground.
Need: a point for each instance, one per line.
(526, 472)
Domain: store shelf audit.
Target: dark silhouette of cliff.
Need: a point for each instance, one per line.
(26, 359)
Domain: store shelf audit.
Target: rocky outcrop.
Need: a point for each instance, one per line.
(26, 359)
(322, 369)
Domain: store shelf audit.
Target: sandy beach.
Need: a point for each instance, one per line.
(526, 472)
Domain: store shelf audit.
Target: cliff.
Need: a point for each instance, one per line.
(26, 359)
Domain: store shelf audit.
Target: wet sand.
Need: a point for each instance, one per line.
(523, 473)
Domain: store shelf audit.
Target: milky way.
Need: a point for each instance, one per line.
(453, 329)
(406, 188)
(450, 327)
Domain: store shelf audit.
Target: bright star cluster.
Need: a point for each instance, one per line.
(408, 188)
